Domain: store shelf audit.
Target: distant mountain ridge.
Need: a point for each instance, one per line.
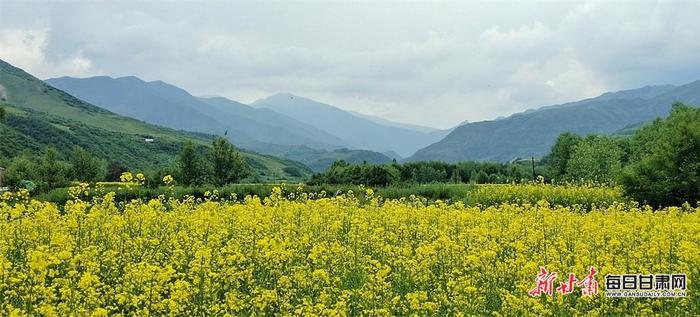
(261, 130)
(359, 131)
(167, 105)
(533, 132)
(267, 126)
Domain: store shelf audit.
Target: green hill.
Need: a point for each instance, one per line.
(629, 130)
(320, 160)
(40, 116)
(533, 132)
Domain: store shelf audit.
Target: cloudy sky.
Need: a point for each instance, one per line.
(431, 63)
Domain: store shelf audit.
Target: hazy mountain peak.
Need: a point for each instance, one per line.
(646, 92)
(285, 99)
(284, 95)
(359, 131)
(133, 79)
(390, 123)
(220, 100)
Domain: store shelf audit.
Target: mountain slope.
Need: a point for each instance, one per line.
(629, 130)
(152, 102)
(533, 132)
(359, 132)
(167, 105)
(388, 123)
(318, 159)
(40, 115)
(267, 126)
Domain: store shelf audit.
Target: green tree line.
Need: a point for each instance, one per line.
(425, 172)
(219, 165)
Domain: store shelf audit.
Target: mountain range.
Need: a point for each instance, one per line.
(359, 131)
(163, 104)
(270, 126)
(533, 132)
(40, 115)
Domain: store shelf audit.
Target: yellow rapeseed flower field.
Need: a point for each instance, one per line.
(302, 255)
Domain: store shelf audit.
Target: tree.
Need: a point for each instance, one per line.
(21, 168)
(380, 175)
(429, 174)
(85, 166)
(51, 171)
(226, 163)
(2, 114)
(640, 145)
(455, 178)
(596, 158)
(561, 153)
(337, 173)
(115, 170)
(479, 178)
(190, 165)
(668, 168)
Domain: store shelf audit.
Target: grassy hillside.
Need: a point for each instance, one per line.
(24, 91)
(32, 131)
(40, 116)
(152, 102)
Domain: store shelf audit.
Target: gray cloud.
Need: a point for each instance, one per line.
(433, 63)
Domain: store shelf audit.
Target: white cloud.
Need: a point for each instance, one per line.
(25, 48)
(432, 63)
(22, 47)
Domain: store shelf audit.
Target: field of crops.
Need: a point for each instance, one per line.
(353, 254)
